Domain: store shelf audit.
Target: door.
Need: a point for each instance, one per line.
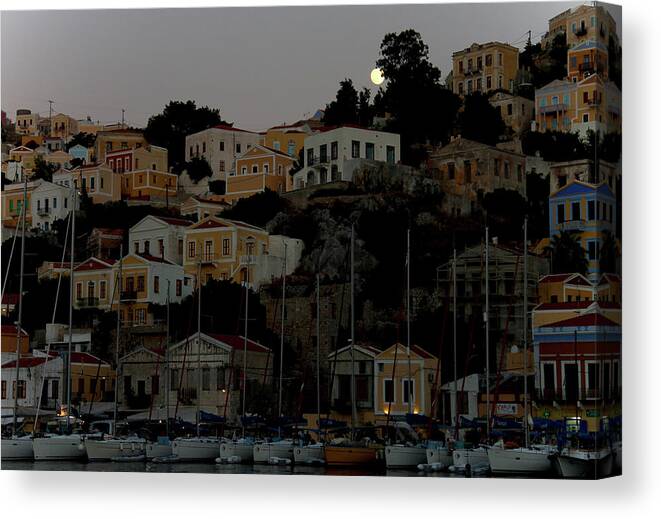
(571, 382)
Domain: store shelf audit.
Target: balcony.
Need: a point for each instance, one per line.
(473, 71)
(572, 225)
(248, 260)
(557, 107)
(207, 257)
(317, 162)
(187, 395)
(129, 295)
(43, 211)
(558, 395)
(581, 31)
(87, 302)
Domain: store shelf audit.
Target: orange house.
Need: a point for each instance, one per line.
(256, 170)
(9, 334)
(148, 184)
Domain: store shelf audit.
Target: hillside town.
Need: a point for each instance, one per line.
(441, 260)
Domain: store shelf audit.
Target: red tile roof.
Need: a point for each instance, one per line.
(592, 319)
(207, 201)
(568, 305)
(175, 221)
(231, 128)
(78, 357)
(554, 278)
(94, 264)
(155, 259)
(237, 342)
(9, 299)
(26, 362)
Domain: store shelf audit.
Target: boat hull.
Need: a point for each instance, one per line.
(587, 465)
(518, 461)
(243, 450)
(403, 456)
(341, 456)
(55, 448)
(197, 449)
(309, 454)
(17, 449)
(262, 452)
(472, 457)
(103, 450)
(158, 450)
(439, 455)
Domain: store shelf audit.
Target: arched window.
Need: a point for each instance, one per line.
(310, 177)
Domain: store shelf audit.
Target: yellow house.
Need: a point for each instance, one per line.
(62, 125)
(565, 288)
(59, 157)
(202, 207)
(484, 67)
(119, 139)
(149, 184)
(27, 122)
(393, 381)
(256, 170)
(92, 379)
(100, 183)
(93, 283)
(609, 288)
(144, 157)
(223, 249)
(12, 202)
(24, 155)
(289, 139)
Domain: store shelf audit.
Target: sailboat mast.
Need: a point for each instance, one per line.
(282, 336)
(199, 347)
(245, 352)
(353, 337)
(525, 331)
(117, 333)
(454, 327)
(318, 352)
(486, 329)
(20, 302)
(70, 346)
(408, 315)
(167, 364)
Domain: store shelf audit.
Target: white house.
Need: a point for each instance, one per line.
(220, 146)
(49, 202)
(32, 369)
(269, 266)
(159, 236)
(330, 154)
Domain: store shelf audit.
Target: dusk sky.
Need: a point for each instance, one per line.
(261, 66)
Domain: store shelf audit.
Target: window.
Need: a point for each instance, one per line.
(21, 388)
(323, 153)
(586, 118)
(335, 173)
(500, 59)
(355, 149)
(408, 387)
(509, 108)
(310, 156)
(136, 247)
(191, 249)
(157, 284)
(102, 289)
(178, 287)
(390, 154)
(276, 145)
(204, 147)
(591, 210)
(576, 211)
(254, 168)
(55, 389)
(238, 147)
(519, 172)
(468, 173)
(227, 249)
(146, 247)
(4, 389)
(220, 378)
(388, 391)
(507, 169)
(561, 213)
(291, 148)
(369, 150)
(221, 165)
(141, 283)
(222, 145)
(488, 60)
(266, 169)
(206, 379)
(244, 170)
(592, 250)
(488, 82)
(451, 171)
(334, 150)
(496, 167)
(208, 250)
(79, 290)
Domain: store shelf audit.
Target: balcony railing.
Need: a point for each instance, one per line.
(248, 259)
(581, 31)
(558, 395)
(470, 71)
(129, 295)
(87, 302)
(43, 211)
(187, 394)
(557, 107)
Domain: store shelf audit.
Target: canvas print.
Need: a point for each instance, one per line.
(327, 240)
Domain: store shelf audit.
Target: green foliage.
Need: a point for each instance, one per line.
(198, 168)
(505, 209)
(43, 169)
(480, 121)
(537, 192)
(257, 209)
(567, 254)
(557, 146)
(82, 138)
(422, 109)
(614, 62)
(179, 119)
(548, 64)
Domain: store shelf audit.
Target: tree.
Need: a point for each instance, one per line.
(84, 139)
(344, 110)
(537, 192)
(608, 253)
(43, 169)
(179, 119)
(257, 209)
(217, 187)
(198, 168)
(480, 120)
(422, 110)
(505, 209)
(567, 254)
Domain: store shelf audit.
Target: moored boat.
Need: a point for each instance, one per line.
(283, 449)
(353, 454)
(473, 457)
(158, 449)
(17, 448)
(583, 463)
(198, 449)
(310, 454)
(519, 460)
(405, 456)
(439, 453)
(241, 448)
(108, 448)
(59, 447)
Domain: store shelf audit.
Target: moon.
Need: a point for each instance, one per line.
(377, 76)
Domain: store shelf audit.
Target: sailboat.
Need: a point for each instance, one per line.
(353, 451)
(314, 452)
(69, 445)
(526, 459)
(280, 449)
(18, 447)
(102, 448)
(197, 447)
(406, 455)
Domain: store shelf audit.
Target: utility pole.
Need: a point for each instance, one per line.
(50, 116)
(123, 118)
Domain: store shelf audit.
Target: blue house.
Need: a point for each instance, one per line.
(80, 152)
